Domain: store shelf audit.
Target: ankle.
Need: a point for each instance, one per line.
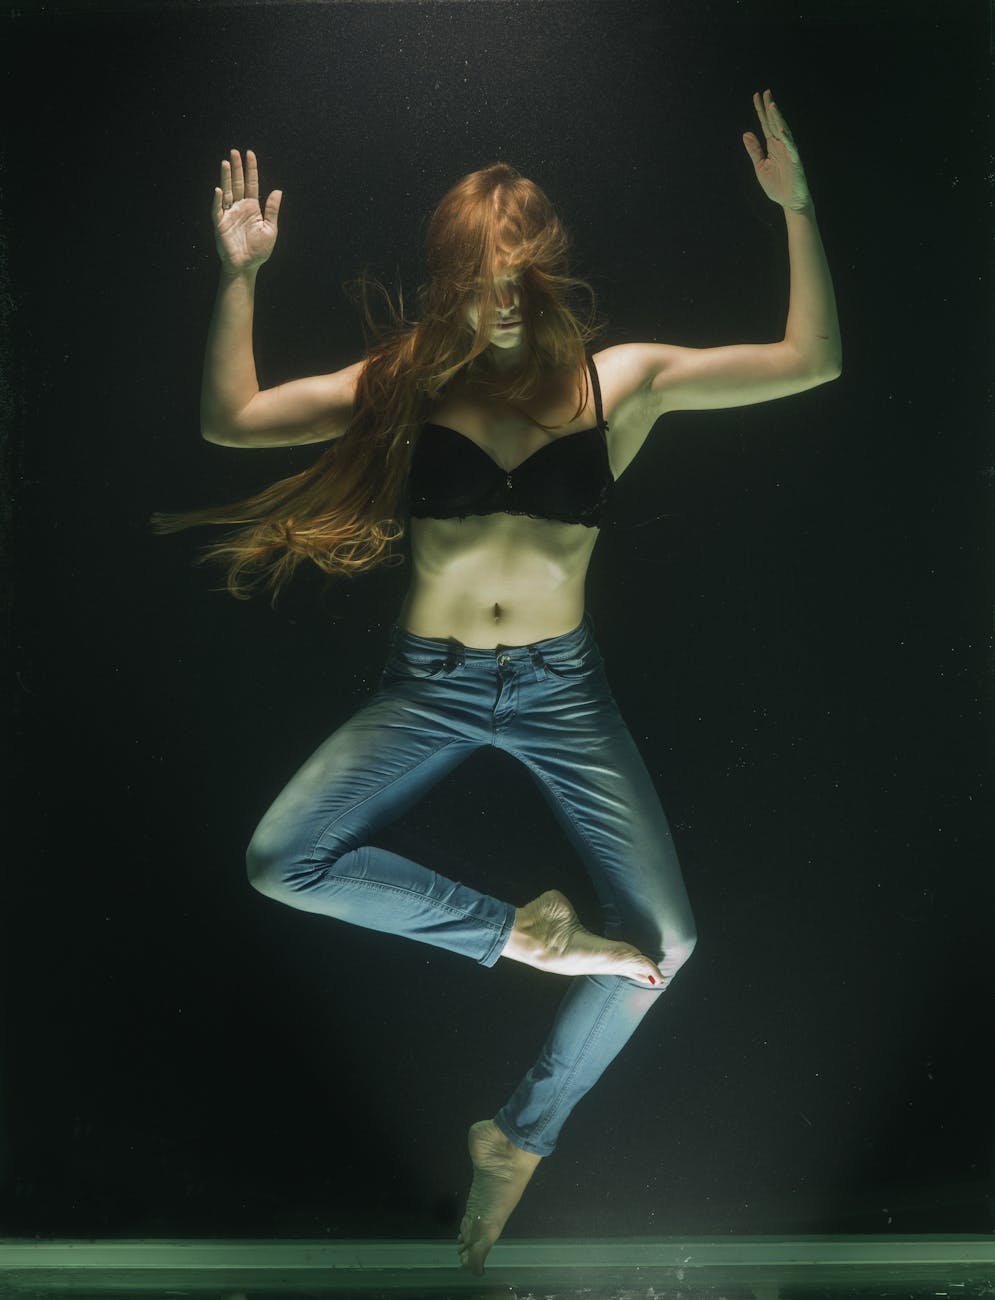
(521, 945)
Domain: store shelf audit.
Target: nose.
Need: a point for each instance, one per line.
(507, 301)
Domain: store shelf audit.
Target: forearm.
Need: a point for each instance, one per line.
(229, 381)
(813, 326)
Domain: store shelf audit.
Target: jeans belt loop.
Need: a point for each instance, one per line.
(454, 654)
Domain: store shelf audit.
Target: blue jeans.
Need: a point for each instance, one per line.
(549, 705)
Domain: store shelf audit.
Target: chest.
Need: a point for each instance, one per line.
(510, 438)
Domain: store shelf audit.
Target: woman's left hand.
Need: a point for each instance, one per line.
(780, 173)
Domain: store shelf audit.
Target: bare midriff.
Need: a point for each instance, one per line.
(491, 580)
(508, 580)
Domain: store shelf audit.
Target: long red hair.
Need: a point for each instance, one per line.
(341, 513)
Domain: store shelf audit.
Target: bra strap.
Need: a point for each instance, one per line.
(599, 413)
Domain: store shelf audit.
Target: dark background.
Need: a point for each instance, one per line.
(794, 604)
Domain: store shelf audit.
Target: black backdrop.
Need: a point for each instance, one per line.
(794, 606)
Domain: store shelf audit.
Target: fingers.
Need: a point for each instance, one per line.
(251, 176)
(237, 178)
(226, 194)
(760, 105)
(782, 128)
(273, 207)
(772, 119)
(753, 147)
(238, 183)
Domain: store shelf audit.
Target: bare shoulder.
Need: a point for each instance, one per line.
(629, 406)
(626, 372)
(622, 367)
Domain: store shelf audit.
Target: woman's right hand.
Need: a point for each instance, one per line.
(244, 237)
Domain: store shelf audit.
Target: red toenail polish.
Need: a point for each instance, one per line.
(652, 980)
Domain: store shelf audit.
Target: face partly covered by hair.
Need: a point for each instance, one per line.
(504, 318)
(496, 298)
(486, 240)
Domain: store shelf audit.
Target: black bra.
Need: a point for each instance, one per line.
(568, 480)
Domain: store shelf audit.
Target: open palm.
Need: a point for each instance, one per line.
(780, 171)
(244, 236)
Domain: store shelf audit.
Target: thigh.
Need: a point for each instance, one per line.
(365, 775)
(593, 776)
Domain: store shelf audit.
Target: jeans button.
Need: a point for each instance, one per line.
(504, 659)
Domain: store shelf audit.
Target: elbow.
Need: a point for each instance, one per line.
(215, 424)
(210, 434)
(208, 424)
(830, 371)
(821, 363)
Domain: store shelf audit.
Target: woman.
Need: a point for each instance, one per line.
(488, 427)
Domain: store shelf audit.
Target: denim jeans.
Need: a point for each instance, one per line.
(549, 705)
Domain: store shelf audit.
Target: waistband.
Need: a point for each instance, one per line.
(567, 645)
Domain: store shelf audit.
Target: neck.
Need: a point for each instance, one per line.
(503, 362)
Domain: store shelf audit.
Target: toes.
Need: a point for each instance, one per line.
(466, 1262)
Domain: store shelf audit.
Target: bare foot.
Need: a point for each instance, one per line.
(548, 935)
(501, 1172)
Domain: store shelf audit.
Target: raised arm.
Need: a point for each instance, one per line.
(234, 412)
(663, 377)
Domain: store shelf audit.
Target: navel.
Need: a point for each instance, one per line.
(497, 612)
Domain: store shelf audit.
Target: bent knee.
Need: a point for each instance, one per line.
(687, 945)
(262, 867)
(279, 862)
(270, 860)
(677, 953)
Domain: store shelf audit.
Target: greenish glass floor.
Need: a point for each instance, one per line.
(729, 1268)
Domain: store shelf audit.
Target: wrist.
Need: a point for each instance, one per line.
(246, 274)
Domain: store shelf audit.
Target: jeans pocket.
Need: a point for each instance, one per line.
(575, 668)
(413, 667)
